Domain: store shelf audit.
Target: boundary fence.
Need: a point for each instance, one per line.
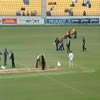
(20, 20)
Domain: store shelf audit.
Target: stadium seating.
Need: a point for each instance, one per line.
(10, 7)
(54, 8)
(78, 9)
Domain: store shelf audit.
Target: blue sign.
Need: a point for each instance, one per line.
(84, 20)
(57, 21)
(75, 20)
(94, 20)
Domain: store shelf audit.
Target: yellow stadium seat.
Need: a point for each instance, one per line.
(10, 7)
(61, 5)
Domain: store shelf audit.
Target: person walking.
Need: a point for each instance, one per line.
(71, 58)
(84, 48)
(57, 43)
(5, 56)
(12, 59)
(68, 45)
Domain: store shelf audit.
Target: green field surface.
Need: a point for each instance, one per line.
(83, 83)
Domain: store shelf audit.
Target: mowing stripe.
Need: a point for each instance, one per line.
(41, 74)
(51, 27)
(22, 64)
(65, 85)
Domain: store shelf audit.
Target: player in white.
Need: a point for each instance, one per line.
(71, 58)
(38, 60)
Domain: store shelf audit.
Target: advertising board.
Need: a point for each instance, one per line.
(57, 21)
(30, 21)
(9, 20)
(84, 20)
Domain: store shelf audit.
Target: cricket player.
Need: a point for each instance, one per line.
(84, 48)
(12, 59)
(0, 57)
(57, 43)
(61, 44)
(38, 60)
(71, 58)
(43, 61)
(68, 45)
(5, 56)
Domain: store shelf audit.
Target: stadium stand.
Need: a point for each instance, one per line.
(70, 8)
(20, 7)
(53, 8)
(26, 2)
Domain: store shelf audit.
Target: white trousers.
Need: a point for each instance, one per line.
(70, 64)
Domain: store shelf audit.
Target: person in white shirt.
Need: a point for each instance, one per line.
(71, 58)
(38, 60)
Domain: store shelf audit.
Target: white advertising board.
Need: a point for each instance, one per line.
(30, 20)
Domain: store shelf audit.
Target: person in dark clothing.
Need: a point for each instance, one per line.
(75, 35)
(43, 61)
(57, 43)
(62, 44)
(0, 57)
(84, 13)
(68, 45)
(12, 59)
(5, 56)
(84, 48)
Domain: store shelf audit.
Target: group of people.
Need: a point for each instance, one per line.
(60, 47)
(40, 61)
(71, 34)
(11, 56)
(59, 44)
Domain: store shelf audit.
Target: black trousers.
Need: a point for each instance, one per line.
(57, 47)
(68, 48)
(43, 66)
(13, 63)
(37, 61)
(84, 48)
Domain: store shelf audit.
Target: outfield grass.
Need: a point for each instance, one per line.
(82, 83)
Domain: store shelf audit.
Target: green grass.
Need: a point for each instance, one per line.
(81, 84)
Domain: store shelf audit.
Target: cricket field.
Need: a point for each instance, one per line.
(27, 42)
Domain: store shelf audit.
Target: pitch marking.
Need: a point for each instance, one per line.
(65, 85)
